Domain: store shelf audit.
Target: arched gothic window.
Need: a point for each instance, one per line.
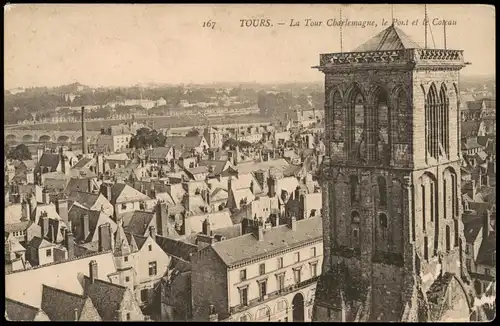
(400, 126)
(444, 119)
(383, 225)
(432, 122)
(337, 117)
(356, 122)
(379, 128)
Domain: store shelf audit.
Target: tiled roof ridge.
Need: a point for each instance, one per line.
(80, 296)
(60, 262)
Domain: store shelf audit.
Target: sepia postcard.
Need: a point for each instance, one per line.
(250, 162)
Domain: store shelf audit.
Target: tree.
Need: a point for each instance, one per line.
(193, 133)
(147, 137)
(20, 152)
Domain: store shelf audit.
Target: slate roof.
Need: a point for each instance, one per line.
(470, 143)
(123, 193)
(49, 160)
(77, 184)
(158, 153)
(86, 199)
(106, 297)
(176, 248)
(181, 141)
(218, 166)
(279, 238)
(136, 240)
(469, 128)
(82, 163)
(139, 222)
(487, 251)
(218, 219)
(26, 285)
(472, 229)
(40, 243)
(392, 38)
(19, 311)
(96, 218)
(61, 305)
(278, 165)
(198, 170)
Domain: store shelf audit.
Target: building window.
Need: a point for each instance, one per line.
(297, 257)
(354, 188)
(313, 252)
(281, 281)
(382, 191)
(244, 296)
(125, 258)
(144, 295)
(150, 247)
(487, 271)
(468, 263)
(262, 289)
(128, 316)
(280, 262)
(424, 211)
(243, 275)
(455, 225)
(314, 269)
(152, 268)
(127, 279)
(262, 269)
(48, 252)
(124, 206)
(296, 275)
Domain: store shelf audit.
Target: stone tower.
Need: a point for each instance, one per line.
(393, 235)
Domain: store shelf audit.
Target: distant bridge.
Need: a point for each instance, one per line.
(47, 136)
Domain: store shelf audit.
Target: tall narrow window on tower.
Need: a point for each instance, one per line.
(354, 185)
(424, 208)
(432, 122)
(448, 238)
(356, 124)
(336, 121)
(382, 191)
(400, 127)
(381, 134)
(445, 121)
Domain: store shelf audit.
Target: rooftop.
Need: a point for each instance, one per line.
(239, 249)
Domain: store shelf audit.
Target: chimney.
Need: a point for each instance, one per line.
(206, 227)
(258, 229)
(25, 211)
(45, 196)
(152, 191)
(85, 226)
(52, 234)
(69, 243)
(271, 185)
(84, 137)
(275, 219)
(62, 209)
(76, 314)
(152, 232)
(106, 191)
(162, 219)
(93, 271)
(45, 225)
(62, 160)
(104, 240)
(292, 223)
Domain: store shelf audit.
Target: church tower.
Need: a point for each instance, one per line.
(393, 235)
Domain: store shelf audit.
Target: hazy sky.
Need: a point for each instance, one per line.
(48, 45)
